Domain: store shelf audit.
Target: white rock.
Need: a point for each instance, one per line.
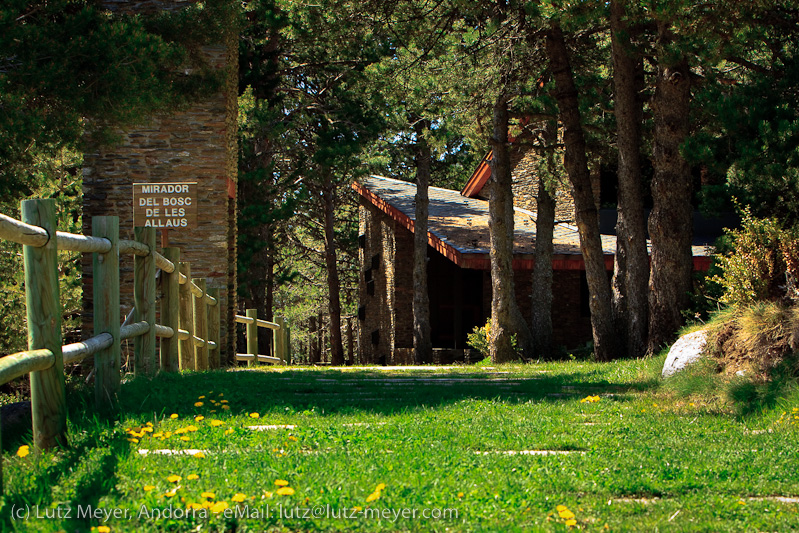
(687, 350)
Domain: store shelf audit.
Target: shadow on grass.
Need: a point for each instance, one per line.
(78, 474)
(331, 391)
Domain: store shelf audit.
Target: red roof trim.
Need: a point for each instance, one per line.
(479, 177)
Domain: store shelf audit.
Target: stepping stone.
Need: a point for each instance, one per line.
(530, 452)
(272, 426)
(780, 499)
(172, 452)
(645, 501)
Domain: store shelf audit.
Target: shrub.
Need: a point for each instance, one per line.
(480, 338)
(761, 264)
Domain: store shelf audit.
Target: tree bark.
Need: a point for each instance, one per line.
(670, 224)
(422, 344)
(506, 319)
(576, 163)
(333, 284)
(544, 248)
(631, 270)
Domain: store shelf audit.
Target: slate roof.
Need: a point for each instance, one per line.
(461, 223)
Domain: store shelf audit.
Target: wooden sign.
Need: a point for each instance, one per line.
(165, 205)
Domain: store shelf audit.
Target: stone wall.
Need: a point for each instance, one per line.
(375, 284)
(524, 162)
(198, 144)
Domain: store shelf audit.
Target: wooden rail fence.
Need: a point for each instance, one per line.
(189, 335)
(281, 343)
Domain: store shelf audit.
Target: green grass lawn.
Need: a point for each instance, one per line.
(510, 448)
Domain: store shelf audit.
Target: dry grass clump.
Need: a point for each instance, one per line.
(758, 338)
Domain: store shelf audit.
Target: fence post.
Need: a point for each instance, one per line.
(288, 346)
(186, 320)
(105, 284)
(48, 394)
(144, 300)
(251, 331)
(214, 331)
(201, 326)
(280, 339)
(170, 311)
(350, 343)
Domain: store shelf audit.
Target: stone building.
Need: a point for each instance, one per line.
(195, 145)
(459, 277)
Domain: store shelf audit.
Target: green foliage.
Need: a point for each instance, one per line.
(51, 178)
(68, 66)
(760, 261)
(480, 339)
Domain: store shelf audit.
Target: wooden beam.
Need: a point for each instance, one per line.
(48, 393)
(144, 300)
(186, 347)
(105, 287)
(200, 325)
(170, 312)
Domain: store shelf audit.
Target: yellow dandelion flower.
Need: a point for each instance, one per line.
(209, 495)
(292, 438)
(226, 407)
(134, 441)
(198, 404)
(191, 477)
(460, 495)
(195, 506)
(560, 508)
(103, 529)
(285, 491)
(186, 439)
(571, 522)
(148, 488)
(173, 415)
(373, 496)
(213, 411)
(221, 394)
(157, 435)
(180, 431)
(173, 478)
(566, 514)
(228, 431)
(238, 497)
(167, 434)
(380, 486)
(23, 451)
(266, 494)
(224, 401)
(357, 508)
(191, 428)
(281, 482)
(199, 455)
(254, 415)
(216, 423)
(199, 418)
(201, 397)
(149, 424)
(219, 507)
(171, 493)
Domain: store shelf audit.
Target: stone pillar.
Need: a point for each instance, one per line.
(198, 144)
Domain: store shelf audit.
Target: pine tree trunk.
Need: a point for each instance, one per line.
(506, 319)
(542, 270)
(422, 344)
(576, 163)
(631, 274)
(333, 285)
(671, 221)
